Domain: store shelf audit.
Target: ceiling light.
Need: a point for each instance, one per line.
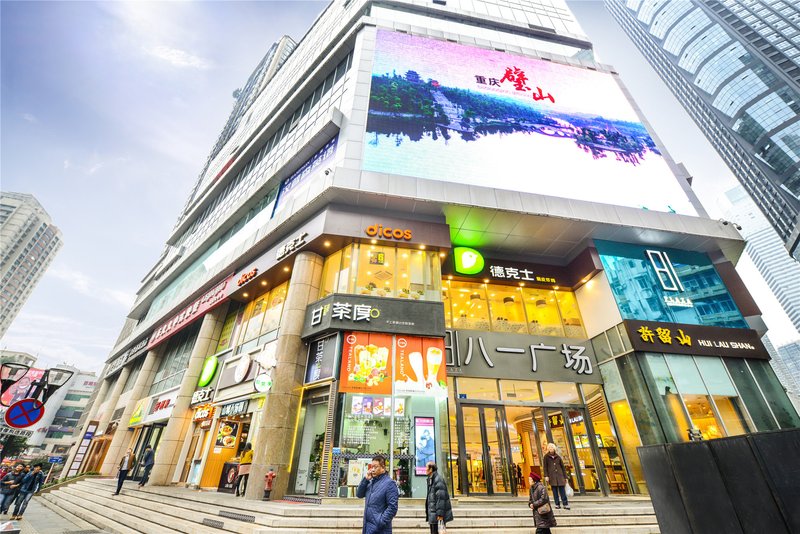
(263, 282)
(373, 241)
(422, 247)
(327, 243)
(245, 295)
(286, 269)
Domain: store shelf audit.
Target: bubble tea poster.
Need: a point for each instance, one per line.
(366, 363)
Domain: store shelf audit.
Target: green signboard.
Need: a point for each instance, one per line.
(468, 260)
(208, 372)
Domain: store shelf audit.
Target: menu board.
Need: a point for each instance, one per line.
(420, 365)
(226, 437)
(366, 364)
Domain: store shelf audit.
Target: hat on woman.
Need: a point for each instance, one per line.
(535, 476)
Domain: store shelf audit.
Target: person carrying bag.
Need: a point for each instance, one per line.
(539, 502)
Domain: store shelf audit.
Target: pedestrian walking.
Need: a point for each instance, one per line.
(244, 468)
(543, 517)
(520, 477)
(124, 466)
(9, 487)
(438, 509)
(555, 474)
(148, 460)
(380, 496)
(31, 483)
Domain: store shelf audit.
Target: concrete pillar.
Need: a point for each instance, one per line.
(111, 405)
(273, 443)
(90, 415)
(121, 440)
(169, 446)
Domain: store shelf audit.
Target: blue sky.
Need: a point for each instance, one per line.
(109, 111)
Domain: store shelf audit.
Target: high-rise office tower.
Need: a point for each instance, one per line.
(780, 271)
(735, 66)
(28, 243)
(429, 206)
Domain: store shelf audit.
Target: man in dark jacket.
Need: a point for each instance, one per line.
(148, 459)
(9, 487)
(543, 516)
(31, 483)
(437, 502)
(380, 496)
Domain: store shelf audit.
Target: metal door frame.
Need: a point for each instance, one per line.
(500, 415)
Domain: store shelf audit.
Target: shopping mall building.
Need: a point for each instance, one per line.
(434, 230)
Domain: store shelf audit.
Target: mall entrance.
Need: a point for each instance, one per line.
(499, 446)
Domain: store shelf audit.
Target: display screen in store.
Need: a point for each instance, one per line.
(425, 443)
(444, 111)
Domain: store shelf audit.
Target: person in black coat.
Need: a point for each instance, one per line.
(9, 487)
(31, 483)
(148, 460)
(437, 502)
(543, 519)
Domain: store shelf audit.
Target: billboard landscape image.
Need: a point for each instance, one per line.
(444, 111)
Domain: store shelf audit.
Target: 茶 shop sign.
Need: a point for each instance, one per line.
(198, 308)
(674, 338)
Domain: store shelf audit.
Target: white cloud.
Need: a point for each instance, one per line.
(30, 117)
(67, 164)
(95, 167)
(178, 58)
(86, 285)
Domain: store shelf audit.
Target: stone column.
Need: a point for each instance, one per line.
(91, 413)
(122, 378)
(273, 444)
(121, 439)
(169, 446)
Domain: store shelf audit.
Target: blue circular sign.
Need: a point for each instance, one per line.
(24, 413)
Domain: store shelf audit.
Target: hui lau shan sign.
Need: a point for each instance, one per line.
(488, 118)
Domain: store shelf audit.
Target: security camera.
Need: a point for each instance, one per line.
(327, 172)
(724, 222)
(737, 226)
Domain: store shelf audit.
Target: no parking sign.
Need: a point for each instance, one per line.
(24, 413)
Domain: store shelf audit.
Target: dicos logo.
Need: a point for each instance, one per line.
(468, 260)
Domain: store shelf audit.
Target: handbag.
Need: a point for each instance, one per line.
(544, 509)
(442, 528)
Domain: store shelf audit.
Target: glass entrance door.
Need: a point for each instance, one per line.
(567, 429)
(486, 465)
(150, 435)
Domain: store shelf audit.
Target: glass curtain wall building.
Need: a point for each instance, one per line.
(735, 66)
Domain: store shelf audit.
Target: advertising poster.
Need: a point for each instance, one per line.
(424, 439)
(356, 470)
(226, 437)
(366, 365)
(420, 366)
(440, 110)
(20, 388)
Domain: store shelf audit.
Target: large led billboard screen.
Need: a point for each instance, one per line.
(444, 111)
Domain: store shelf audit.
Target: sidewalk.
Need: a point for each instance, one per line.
(39, 519)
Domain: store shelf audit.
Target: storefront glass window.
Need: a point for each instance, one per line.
(560, 392)
(542, 310)
(520, 390)
(613, 467)
(667, 402)
(274, 308)
(448, 306)
(570, 314)
(478, 388)
(723, 392)
(746, 384)
(452, 450)
(644, 411)
(175, 359)
(775, 394)
(506, 309)
(695, 395)
(469, 302)
(601, 346)
(230, 328)
(628, 434)
(382, 271)
(254, 317)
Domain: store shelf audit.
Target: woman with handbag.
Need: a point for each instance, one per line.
(555, 474)
(539, 502)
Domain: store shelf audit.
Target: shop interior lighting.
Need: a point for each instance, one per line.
(263, 282)
(245, 295)
(475, 296)
(327, 243)
(286, 269)
(422, 247)
(541, 303)
(508, 300)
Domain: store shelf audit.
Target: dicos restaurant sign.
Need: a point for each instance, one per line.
(198, 308)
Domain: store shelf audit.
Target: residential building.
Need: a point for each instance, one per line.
(734, 65)
(28, 243)
(428, 239)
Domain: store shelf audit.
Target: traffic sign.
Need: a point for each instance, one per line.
(24, 413)
(56, 460)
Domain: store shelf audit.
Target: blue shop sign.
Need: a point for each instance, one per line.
(667, 285)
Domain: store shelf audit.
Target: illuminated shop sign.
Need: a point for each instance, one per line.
(374, 314)
(246, 277)
(161, 407)
(469, 262)
(202, 413)
(202, 395)
(208, 371)
(387, 232)
(321, 363)
(198, 308)
(671, 338)
(291, 246)
(234, 408)
(482, 354)
(667, 285)
(445, 111)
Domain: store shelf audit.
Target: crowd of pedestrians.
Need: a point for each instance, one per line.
(381, 495)
(18, 486)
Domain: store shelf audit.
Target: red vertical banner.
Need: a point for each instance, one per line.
(420, 365)
(366, 363)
